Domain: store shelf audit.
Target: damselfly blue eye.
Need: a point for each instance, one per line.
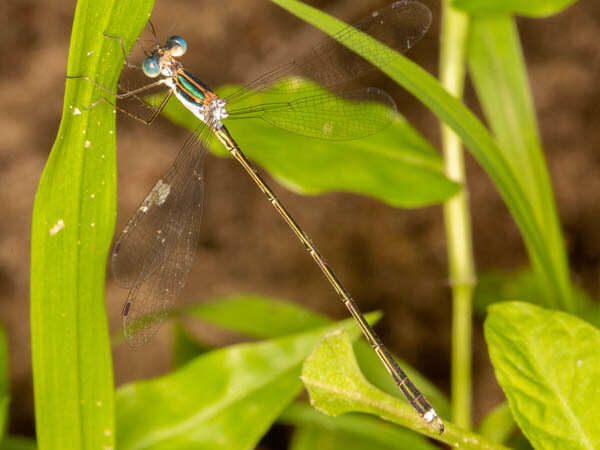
(177, 45)
(150, 67)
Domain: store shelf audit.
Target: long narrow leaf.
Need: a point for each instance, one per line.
(73, 223)
(532, 8)
(499, 75)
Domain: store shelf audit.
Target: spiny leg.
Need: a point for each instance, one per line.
(116, 95)
(122, 44)
(126, 95)
(143, 120)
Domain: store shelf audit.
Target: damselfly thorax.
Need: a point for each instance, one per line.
(196, 96)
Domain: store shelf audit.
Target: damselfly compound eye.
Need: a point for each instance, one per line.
(176, 45)
(150, 67)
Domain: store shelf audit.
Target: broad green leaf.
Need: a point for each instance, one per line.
(311, 437)
(347, 432)
(268, 318)
(376, 374)
(499, 424)
(548, 364)
(185, 347)
(73, 222)
(532, 8)
(336, 386)
(500, 78)
(224, 399)
(397, 165)
(498, 286)
(18, 443)
(265, 317)
(475, 137)
(4, 383)
(257, 316)
(495, 286)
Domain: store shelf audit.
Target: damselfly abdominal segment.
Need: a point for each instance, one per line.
(155, 251)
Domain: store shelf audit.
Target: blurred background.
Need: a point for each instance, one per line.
(390, 259)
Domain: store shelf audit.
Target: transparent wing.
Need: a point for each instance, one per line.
(153, 231)
(399, 26)
(342, 116)
(166, 243)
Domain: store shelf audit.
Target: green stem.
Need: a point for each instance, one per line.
(457, 218)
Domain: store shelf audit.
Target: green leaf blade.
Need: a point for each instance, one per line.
(498, 425)
(548, 364)
(531, 8)
(336, 386)
(221, 400)
(264, 317)
(396, 165)
(475, 137)
(73, 223)
(498, 286)
(257, 316)
(349, 431)
(500, 79)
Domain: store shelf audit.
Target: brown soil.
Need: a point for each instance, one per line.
(390, 259)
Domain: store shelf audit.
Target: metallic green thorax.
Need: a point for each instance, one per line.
(191, 85)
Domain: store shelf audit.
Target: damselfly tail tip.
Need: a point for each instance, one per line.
(439, 425)
(434, 420)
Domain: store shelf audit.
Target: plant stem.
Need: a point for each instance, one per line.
(455, 26)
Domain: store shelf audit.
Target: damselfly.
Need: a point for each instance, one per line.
(155, 251)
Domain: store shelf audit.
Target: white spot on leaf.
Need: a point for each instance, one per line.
(57, 227)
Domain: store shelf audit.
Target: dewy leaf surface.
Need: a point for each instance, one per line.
(548, 364)
(73, 224)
